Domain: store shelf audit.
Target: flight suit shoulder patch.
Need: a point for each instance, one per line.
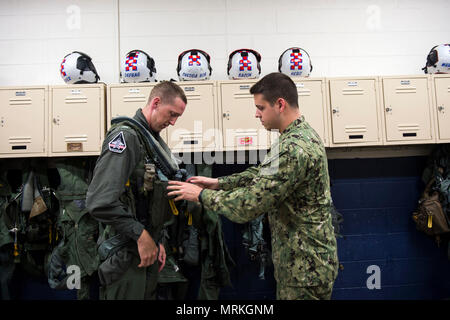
(118, 144)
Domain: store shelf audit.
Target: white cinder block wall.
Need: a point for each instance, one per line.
(343, 38)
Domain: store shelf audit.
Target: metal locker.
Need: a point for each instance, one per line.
(77, 119)
(442, 96)
(354, 112)
(23, 121)
(241, 130)
(124, 99)
(312, 104)
(407, 110)
(195, 130)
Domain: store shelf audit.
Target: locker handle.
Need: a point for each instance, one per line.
(388, 109)
(440, 108)
(226, 115)
(412, 134)
(335, 110)
(190, 142)
(19, 147)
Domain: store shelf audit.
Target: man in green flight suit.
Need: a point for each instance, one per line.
(120, 197)
(292, 185)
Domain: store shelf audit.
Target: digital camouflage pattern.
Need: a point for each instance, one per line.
(292, 185)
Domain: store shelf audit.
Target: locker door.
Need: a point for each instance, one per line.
(442, 86)
(241, 129)
(354, 111)
(311, 104)
(76, 120)
(194, 130)
(126, 100)
(407, 109)
(22, 121)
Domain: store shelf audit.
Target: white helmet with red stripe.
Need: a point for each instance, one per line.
(438, 60)
(77, 67)
(244, 64)
(137, 66)
(295, 62)
(194, 64)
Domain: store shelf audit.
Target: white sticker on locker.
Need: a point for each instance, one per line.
(134, 90)
(352, 83)
(76, 91)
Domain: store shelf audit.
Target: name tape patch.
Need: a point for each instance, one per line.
(118, 144)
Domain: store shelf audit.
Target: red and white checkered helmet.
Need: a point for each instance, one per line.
(438, 60)
(295, 62)
(194, 64)
(137, 66)
(244, 64)
(77, 67)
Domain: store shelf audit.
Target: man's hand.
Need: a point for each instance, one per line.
(162, 257)
(205, 182)
(147, 250)
(184, 191)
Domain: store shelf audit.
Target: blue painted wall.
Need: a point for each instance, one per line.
(376, 198)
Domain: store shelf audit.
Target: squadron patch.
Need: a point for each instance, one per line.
(117, 144)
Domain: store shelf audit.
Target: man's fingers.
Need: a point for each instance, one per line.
(176, 182)
(173, 193)
(174, 187)
(180, 197)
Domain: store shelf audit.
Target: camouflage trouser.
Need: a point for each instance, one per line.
(305, 293)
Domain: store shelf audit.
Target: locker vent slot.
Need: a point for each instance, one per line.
(82, 138)
(193, 96)
(356, 137)
(19, 147)
(355, 129)
(76, 100)
(190, 142)
(408, 127)
(243, 95)
(304, 92)
(19, 101)
(134, 98)
(406, 90)
(17, 140)
(246, 132)
(353, 92)
(412, 134)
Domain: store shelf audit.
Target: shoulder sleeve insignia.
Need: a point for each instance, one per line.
(118, 144)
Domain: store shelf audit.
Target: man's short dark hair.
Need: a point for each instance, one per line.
(167, 91)
(277, 85)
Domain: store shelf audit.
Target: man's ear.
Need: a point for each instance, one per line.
(281, 104)
(155, 103)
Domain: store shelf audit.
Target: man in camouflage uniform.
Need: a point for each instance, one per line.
(117, 197)
(292, 185)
